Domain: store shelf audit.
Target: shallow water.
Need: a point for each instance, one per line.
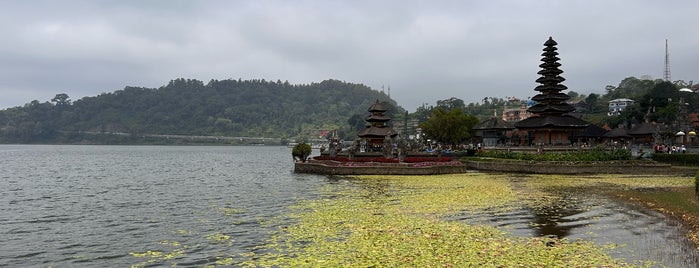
(639, 234)
(115, 206)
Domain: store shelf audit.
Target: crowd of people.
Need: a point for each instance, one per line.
(670, 149)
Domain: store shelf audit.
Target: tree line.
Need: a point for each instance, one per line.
(276, 109)
(256, 108)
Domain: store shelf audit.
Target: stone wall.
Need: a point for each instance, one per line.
(610, 167)
(507, 166)
(329, 168)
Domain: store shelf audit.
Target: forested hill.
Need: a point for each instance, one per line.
(230, 108)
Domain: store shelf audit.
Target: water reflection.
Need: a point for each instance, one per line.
(639, 233)
(557, 219)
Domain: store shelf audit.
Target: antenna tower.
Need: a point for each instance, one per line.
(666, 74)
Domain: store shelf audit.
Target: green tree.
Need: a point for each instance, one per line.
(449, 127)
(356, 122)
(661, 101)
(230, 107)
(61, 99)
(422, 112)
(301, 151)
(451, 103)
(592, 102)
(573, 95)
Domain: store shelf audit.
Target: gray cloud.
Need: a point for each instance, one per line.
(424, 50)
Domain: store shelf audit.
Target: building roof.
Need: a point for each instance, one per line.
(592, 131)
(494, 123)
(376, 132)
(552, 96)
(643, 129)
(555, 108)
(377, 107)
(379, 131)
(622, 100)
(551, 109)
(555, 121)
(377, 118)
(619, 132)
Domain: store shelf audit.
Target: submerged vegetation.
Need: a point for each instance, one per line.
(390, 221)
(399, 221)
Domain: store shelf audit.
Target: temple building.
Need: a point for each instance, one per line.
(550, 123)
(493, 132)
(375, 134)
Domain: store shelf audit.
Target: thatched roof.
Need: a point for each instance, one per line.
(377, 107)
(617, 133)
(494, 123)
(592, 131)
(643, 129)
(377, 132)
(555, 121)
(377, 118)
(559, 108)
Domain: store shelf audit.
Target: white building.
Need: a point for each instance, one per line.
(618, 105)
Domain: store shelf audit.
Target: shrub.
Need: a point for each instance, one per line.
(677, 159)
(596, 154)
(301, 151)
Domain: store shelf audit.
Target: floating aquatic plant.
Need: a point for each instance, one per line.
(397, 221)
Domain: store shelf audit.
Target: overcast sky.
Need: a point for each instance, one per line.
(423, 50)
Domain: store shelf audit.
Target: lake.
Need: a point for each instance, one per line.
(98, 206)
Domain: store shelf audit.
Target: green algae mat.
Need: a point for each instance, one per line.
(399, 221)
(403, 221)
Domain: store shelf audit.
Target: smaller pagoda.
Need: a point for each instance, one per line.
(551, 122)
(377, 132)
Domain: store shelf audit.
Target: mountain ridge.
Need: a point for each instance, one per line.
(189, 107)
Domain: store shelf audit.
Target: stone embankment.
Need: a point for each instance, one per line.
(328, 167)
(576, 167)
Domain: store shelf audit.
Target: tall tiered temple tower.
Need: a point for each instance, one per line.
(378, 131)
(550, 123)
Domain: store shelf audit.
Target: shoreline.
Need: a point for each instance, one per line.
(330, 167)
(688, 218)
(639, 167)
(658, 200)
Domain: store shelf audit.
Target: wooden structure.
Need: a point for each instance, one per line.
(618, 135)
(377, 132)
(550, 123)
(589, 136)
(645, 133)
(493, 132)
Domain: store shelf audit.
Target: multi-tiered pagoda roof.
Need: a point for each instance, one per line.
(551, 109)
(378, 128)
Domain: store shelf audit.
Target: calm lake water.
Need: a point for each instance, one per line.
(102, 206)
